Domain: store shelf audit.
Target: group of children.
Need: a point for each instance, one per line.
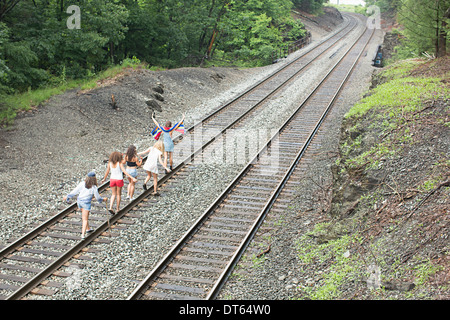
(88, 189)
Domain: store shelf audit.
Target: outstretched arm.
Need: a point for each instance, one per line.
(97, 195)
(74, 192)
(106, 174)
(126, 173)
(154, 120)
(144, 152)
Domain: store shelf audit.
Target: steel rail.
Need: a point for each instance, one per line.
(33, 282)
(270, 76)
(161, 265)
(248, 238)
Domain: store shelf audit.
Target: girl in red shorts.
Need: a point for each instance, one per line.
(116, 167)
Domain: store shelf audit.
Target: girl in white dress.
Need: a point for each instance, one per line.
(151, 164)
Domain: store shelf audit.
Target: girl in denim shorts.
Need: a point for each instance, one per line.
(133, 163)
(85, 190)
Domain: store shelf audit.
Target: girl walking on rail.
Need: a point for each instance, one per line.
(86, 190)
(116, 167)
(151, 164)
(167, 132)
(133, 163)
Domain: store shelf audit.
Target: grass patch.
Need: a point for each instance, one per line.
(12, 104)
(349, 8)
(391, 106)
(400, 95)
(346, 262)
(401, 69)
(343, 266)
(400, 92)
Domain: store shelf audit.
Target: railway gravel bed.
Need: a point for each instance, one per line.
(112, 274)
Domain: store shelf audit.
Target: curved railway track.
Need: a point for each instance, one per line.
(198, 265)
(41, 252)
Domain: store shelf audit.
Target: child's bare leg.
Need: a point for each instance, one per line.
(113, 197)
(84, 221)
(165, 158)
(155, 182)
(146, 179)
(129, 188)
(118, 196)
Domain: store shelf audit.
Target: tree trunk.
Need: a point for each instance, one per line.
(111, 51)
(442, 48)
(6, 6)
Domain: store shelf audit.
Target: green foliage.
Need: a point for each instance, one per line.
(425, 26)
(350, 8)
(344, 267)
(311, 6)
(400, 94)
(39, 51)
(4, 89)
(384, 5)
(255, 30)
(26, 100)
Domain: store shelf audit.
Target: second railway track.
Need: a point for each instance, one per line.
(198, 265)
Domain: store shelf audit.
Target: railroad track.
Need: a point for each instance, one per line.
(214, 125)
(56, 242)
(198, 265)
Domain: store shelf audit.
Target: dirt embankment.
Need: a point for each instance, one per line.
(391, 190)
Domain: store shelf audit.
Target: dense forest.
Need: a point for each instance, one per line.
(51, 43)
(45, 41)
(424, 25)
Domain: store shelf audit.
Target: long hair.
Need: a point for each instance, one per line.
(115, 157)
(159, 145)
(131, 153)
(89, 182)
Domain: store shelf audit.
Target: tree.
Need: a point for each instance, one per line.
(255, 29)
(37, 48)
(3, 67)
(425, 24)
(311, 6)
(6, 6)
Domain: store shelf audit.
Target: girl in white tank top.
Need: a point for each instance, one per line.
(116, 167)
(116, 173)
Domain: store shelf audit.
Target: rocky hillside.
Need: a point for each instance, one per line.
(390, 207)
